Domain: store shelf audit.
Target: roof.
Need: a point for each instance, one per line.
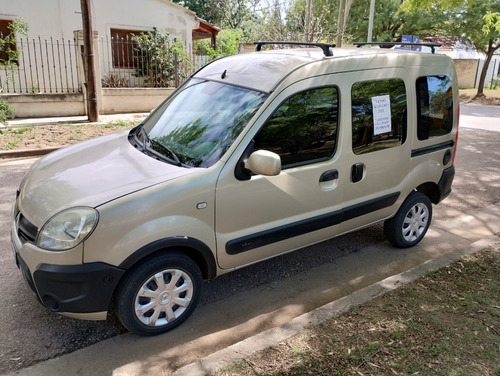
(264, 70)
(205, 30)
(257, 70)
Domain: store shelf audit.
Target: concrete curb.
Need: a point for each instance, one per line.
(214, 362)
(77, 120)
(11, 154)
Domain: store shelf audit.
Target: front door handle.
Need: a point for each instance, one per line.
(329, 176)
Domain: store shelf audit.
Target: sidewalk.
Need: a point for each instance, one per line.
(353, 280)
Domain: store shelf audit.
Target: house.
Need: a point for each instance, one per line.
(51, 60)
(60, 18)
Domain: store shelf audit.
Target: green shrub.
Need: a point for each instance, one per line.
(159, 59)
(6, 112)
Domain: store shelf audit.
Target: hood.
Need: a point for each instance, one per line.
(90, 173)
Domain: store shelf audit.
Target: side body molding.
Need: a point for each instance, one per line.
(260, 239)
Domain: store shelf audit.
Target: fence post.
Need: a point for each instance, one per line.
(82, 69)
(176, 66)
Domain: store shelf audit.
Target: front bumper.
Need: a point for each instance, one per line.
(73, 290)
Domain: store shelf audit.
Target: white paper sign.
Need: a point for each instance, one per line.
(381, 114)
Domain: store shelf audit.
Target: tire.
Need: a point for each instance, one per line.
(411, 222)
(158, 294)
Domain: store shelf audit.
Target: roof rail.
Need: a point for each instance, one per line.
(392, 44)
(324, 46)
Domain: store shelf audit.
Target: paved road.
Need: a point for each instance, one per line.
(480, 117)
(303, 279)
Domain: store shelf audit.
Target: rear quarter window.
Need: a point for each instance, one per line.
(434, 106)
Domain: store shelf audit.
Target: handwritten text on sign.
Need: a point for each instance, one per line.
(381, 114)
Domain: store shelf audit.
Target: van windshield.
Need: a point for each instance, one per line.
(200, 122)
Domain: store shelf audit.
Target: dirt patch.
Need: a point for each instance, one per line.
(50, 136)
(487, 100)
(446, 323)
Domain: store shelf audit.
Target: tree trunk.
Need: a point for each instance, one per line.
(482, 78)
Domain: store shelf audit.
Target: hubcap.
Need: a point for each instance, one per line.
(164, 297)
(415, 222)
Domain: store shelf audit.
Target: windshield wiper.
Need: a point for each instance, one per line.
(175, 158)
(148, 141)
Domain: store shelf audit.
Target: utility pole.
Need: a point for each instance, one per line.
(309, 17)
(370, 21)
(340, 23)
(88, 58)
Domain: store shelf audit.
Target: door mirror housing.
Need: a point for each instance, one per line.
(263, 162)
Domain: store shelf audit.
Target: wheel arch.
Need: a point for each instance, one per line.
(199, 252)
(437, 192)
(431, 190)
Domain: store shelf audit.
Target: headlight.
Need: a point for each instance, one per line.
(67, 229)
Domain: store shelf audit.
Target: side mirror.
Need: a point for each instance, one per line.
(263, 162)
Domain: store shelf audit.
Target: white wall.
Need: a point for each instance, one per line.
(60, 18)
(461, 52)
(114, 101)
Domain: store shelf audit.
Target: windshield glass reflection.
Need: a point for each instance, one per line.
(201, 121)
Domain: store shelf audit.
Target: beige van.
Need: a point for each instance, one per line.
(255, 155)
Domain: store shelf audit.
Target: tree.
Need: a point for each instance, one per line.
(313, 21)
(227, 42)
(230, 14)
(474, 22)
(269, 24)
(491, 34)
(202, 8)
(391, 20)
(438, 5)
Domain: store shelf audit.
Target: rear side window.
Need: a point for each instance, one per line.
(379, 115)
(303, 129)
(434, 106)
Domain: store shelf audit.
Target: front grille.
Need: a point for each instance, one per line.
(26, 230)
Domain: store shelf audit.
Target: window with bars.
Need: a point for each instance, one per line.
(124, 48)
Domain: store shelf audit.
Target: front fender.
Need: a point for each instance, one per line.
(122, 246)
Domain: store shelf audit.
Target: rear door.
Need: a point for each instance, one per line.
(378, 152)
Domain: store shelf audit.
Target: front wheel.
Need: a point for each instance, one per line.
(411, 222)
(158, 294)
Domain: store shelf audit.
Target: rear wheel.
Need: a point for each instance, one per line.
(411, 222)
(159, 293)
